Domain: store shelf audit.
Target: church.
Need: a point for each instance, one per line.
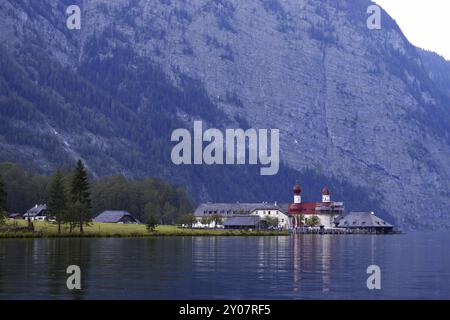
(289, 215)
(326, 211)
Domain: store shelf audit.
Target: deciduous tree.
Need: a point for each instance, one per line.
(217, 219)
(314, 221)
(151, 223)
(272, 221)
(188, 219)
(206, 220)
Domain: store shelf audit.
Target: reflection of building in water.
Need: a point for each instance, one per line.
(312, 258)
(326, 262)
(206, 254)
(273, 256)
(297, 262)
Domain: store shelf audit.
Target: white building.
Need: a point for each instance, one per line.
(273, 211)
(38, 213)
(227, 210)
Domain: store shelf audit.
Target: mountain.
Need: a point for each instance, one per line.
(357, 109)
(438, 69)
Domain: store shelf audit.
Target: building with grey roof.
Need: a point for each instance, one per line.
(364, 221)
(245, 222)
(229, 210)
(15, 216)
(38, 212)
(226, 210)
(113, 216)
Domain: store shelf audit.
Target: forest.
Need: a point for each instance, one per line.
(142, 198)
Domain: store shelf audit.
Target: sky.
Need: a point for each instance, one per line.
(426, 23)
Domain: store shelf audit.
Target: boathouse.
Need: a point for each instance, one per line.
(364, 221)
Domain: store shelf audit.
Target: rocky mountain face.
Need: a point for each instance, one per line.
(357, 109)
(438, 69)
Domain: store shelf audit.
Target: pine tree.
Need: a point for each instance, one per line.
(80, 196)
(57, 203)
(3, 196)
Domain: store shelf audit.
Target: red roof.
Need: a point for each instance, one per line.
(325, 191)
(302, 208)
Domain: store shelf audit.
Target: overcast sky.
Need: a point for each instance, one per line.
(426, 23)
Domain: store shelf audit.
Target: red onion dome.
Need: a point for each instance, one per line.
(297, 190)
(325, 191)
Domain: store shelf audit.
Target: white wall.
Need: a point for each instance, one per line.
(283, 219)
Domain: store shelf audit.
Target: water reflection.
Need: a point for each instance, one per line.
(312, 262)
(285, 267)
(38, 267)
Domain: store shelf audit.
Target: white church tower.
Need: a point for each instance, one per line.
(325, 194)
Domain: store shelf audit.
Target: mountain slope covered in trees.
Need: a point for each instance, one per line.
(357, 109)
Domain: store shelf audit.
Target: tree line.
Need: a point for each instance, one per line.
(74, 199)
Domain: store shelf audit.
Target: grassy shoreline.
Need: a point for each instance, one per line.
(110, 230)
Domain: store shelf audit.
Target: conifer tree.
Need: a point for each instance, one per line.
(80, 196)
(57, 203)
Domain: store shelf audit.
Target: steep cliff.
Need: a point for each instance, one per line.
(355, 107)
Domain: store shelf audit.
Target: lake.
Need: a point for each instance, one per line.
(413, 266)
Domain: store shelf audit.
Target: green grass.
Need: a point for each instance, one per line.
(50, 230)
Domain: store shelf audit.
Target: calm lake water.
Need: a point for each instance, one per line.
(413, 266)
